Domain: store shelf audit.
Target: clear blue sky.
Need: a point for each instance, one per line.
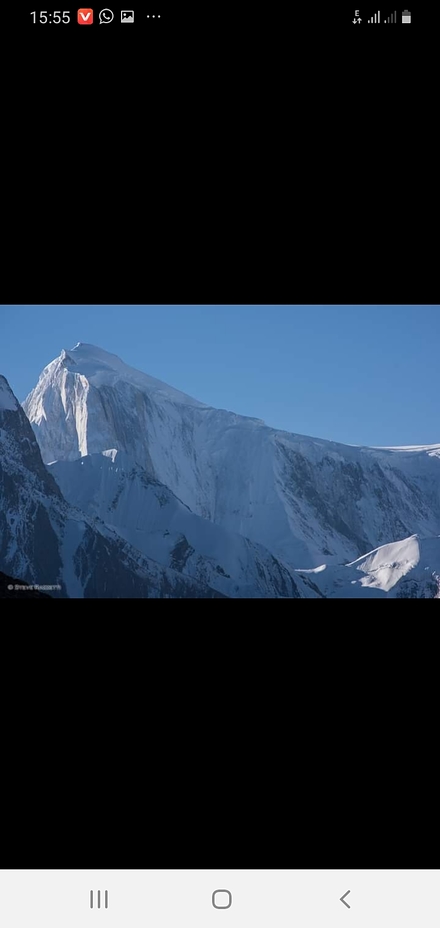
(355, 374)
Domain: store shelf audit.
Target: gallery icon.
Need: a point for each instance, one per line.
(85, 17)
(127, 16)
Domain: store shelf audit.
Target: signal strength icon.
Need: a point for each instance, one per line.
(391, 19)
(375, 18)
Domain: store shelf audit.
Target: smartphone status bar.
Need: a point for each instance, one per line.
(211, 22)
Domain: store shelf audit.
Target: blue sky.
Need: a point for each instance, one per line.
(355, 374)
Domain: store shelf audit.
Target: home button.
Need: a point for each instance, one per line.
(222, 899)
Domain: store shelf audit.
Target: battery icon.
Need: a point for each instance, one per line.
(406, 16)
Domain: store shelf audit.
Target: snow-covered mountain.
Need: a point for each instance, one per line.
(46, 541)
(407, 569)
(305, 500)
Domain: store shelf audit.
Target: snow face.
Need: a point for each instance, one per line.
(305, 500)
(7, 398)
(82, 399)
(152, 519)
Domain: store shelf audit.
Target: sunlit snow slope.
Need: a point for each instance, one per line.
(407, 569)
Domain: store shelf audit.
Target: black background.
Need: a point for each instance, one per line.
(216, 156)
(219, 157)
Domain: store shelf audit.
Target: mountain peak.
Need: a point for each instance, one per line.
(85, 350)
(98, 403)
(102, 368)
(7, 398)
